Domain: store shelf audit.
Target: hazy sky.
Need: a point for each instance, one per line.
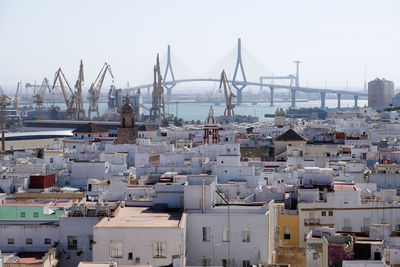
(334, 39)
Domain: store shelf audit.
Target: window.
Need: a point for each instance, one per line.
(72, 242)
(47, 241)
(206, 262)
(130, 256)
(10, 241)
(226, 263)
(36, 214)
(246, 235)
(137, 260)
(315, 256)
(225, 234)
(330, 213)
(286, 233)
(246, 263)
(115, 249)
(206, 234)
(23, 214)
(159, 250)
(323, 213)
(301, 153)
(51, 160)
(29, 241)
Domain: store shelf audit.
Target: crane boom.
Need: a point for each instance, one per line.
(229, 96)
(38, 98)
(17, 94)
(95, 89)
(77, 95)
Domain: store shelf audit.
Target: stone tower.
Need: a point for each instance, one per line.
(127, 131)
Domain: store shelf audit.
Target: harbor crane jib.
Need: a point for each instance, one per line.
(78, 101)
(38, 98)
(95, 89)
(17, 95)
(72, 99)
(229, 96)
(157, 110)
(68, 95)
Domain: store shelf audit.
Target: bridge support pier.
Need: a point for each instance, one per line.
(272, 96)
(339, 97)
(355, 100)
(239, 66)
(323, 94)
(293, 97)
(169, 92)
(239, 94)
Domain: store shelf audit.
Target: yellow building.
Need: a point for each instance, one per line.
(289, 230)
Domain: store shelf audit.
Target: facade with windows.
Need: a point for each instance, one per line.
(218, 234)
(141, 235)
(349, 208)
(29, 227)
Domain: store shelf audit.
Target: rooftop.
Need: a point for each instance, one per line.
(90, 128)
(31, 257)
(290, 135)
(142, 217)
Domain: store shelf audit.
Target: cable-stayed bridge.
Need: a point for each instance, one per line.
(239, 82)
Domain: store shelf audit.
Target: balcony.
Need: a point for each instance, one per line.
(364, 229)
(312, 222)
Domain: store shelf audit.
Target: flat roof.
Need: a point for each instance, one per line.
(31, 257)
(142, 217)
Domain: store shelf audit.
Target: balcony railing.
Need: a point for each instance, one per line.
(312, 221)
(364, 229)
(347, 228)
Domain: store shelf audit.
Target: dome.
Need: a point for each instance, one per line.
(127, 108)
(211, 120)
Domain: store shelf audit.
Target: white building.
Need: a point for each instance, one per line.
(226, 235)
(141, 235)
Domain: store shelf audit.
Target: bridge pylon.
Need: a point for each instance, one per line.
(239, 63)
(168, 70)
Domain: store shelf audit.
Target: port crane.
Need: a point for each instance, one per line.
(77, 95)
(95, 89)
(17, 95)
(5, 101)
(157, 110)
(73, 102)
(38, 98)
(69, 101)
(229, 96)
